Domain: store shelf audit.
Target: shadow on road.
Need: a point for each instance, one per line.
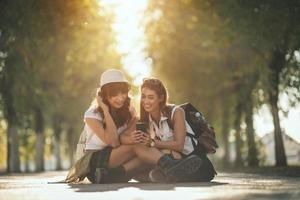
(141, 186)
(266, 196)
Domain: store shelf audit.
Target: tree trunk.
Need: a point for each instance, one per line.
(57, 132)
(39, 129)
(238, 141)
(225, 126)
(280, 156)
(9, 112)
(276, 66)
(13, 158)
(57, 152)
(13, 155)
(26, 153)
(71, 144)
(252, 150)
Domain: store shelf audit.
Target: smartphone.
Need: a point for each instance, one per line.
(141, 126)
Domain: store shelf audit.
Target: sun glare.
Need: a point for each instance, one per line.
(131, 42)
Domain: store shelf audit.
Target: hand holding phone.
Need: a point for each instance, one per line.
(141, 126)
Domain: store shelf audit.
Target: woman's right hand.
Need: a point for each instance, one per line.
(101, 104)
(146, 139)
(136, 137)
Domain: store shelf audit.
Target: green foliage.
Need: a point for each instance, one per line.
(185, 56)
(218, 54)
(51, 56)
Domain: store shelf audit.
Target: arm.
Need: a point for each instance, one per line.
(128, 136)
(179, 133)
(109, 134)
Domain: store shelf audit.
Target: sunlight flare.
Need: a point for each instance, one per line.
(131, 42)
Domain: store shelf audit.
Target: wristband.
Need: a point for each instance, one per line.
(152, 143)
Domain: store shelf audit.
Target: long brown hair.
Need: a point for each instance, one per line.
(160, 89)
(122, 115)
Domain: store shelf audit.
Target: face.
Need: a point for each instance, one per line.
(117, 100)
(150, 100)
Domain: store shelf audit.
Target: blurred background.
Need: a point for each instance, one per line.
(237, 61)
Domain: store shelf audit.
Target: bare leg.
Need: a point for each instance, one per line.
(122, 161)
(124, 153)
(149, 155)
(136, 166)
(133, 164)
(120, 155)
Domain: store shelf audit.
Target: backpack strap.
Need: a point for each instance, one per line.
(168, 111)
(173, 111)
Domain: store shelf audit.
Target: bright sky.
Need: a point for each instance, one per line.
(131, 44)
(130, 36)
(263, 121)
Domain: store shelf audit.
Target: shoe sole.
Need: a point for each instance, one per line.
(185, 167)
(157, 178)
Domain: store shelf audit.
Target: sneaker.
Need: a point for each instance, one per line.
(115, 175)
(157, 176)
(182, 168)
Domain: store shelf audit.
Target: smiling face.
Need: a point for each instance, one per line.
(153, 98)
(150, 100)
(115, 94)
(117, 100)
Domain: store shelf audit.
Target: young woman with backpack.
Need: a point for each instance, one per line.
(172, 140)
(114, 149)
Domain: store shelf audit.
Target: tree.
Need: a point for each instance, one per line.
(209, 58)
(272, 30)
(59, 49)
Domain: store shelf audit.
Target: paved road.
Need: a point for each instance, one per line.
(225, 186)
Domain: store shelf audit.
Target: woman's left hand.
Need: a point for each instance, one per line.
(132, 122)
(101, 104)
(132, 111)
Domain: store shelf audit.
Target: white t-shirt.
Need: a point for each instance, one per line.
(165, 133)
(92, 140)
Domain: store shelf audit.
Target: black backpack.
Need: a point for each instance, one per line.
(203, 132)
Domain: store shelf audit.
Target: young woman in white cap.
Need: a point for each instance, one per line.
(113, 147)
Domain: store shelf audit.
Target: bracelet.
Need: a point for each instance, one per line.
(119, 138)
(152, 143)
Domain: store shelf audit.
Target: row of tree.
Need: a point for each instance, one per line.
(229, 58)
(51, 56)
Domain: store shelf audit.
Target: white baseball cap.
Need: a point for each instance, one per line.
(112, 76)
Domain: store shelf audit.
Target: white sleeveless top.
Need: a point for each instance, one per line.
(93, 142)
(165, 133)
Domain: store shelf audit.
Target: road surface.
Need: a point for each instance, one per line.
(224, 186)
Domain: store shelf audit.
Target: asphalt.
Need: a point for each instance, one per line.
(224, 186)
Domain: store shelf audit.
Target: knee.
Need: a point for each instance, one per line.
(138, 147)
(175, 154)
(128, 148)
(166, 151)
